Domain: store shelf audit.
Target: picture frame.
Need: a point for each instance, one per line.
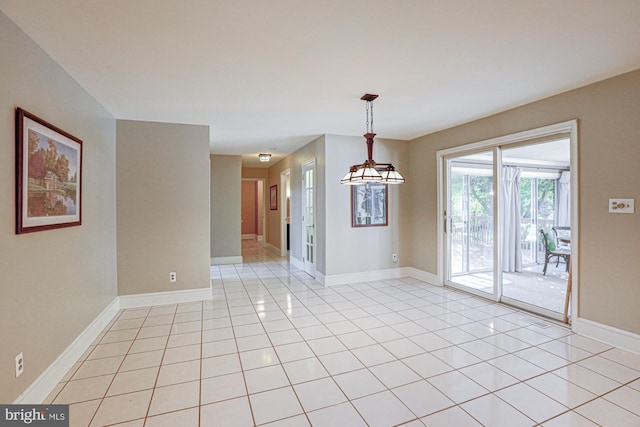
(369, 205)
(48, 175)
(273, 198)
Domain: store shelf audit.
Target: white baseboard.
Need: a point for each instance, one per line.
(321, 278)
(223, 260)
(607, 334)
(363, 276)
(430, 278)
(164, 298)
(248, 236)
(260, 238)
(272, 248)
(295, 262)
(367, 276)
(46, 382)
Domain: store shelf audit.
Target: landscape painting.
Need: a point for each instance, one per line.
(49, 175)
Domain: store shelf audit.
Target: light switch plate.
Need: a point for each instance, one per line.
(623, 206)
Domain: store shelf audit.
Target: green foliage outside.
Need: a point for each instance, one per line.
(480, 195)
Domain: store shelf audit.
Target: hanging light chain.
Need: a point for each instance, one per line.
(369, 109)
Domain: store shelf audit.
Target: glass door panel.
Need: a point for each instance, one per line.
(308, 217)
(470, 222)
(523, 283)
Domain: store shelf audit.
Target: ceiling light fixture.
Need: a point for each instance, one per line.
(264, 157)
(370, 171)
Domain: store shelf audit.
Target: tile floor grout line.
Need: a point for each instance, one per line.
(244, 377)
(200, 364)
(280, 364)
(155, 385)
(104, 396)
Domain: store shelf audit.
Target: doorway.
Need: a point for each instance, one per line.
(253, 209)
(285, 212)
(497, 196)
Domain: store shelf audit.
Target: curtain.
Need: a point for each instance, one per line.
(511, 249)
(564, 199)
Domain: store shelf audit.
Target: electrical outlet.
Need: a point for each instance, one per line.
(394, 257)
(19, 365)
(173, 277)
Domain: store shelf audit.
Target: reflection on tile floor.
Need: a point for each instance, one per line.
(273, 347)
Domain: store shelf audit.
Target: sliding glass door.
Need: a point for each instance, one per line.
(497, 202)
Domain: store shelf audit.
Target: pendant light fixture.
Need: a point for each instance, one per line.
(371, 171)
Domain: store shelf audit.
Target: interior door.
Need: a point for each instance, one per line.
(308, 217)
(470, 223)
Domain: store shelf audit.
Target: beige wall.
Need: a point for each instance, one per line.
(609, 127)
(255, 173)
(249, 201)
(163, 206)
(226, 179)
(44, 274)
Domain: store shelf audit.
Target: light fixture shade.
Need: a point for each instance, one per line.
(347, 179)
(392, 176)
(365, 174)
(263, 157)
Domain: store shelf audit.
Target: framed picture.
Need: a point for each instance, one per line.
(369, 205)
(48, 175)
(273, 197)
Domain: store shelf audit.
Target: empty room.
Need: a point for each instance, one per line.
(334, 213)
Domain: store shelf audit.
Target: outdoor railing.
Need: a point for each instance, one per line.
(480, 231)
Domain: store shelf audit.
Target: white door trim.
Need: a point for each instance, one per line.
(283, 210)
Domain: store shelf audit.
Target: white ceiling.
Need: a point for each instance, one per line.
(269, 76)
(554, 153)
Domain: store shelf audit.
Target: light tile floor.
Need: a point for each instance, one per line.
(273, 347)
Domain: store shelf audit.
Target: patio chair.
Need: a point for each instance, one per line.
(562, 236)
(551, 251)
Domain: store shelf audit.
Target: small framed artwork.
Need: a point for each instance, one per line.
(48, 175)
(369, 205)
(273, 197)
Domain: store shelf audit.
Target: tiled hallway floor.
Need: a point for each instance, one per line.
(273, 347)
